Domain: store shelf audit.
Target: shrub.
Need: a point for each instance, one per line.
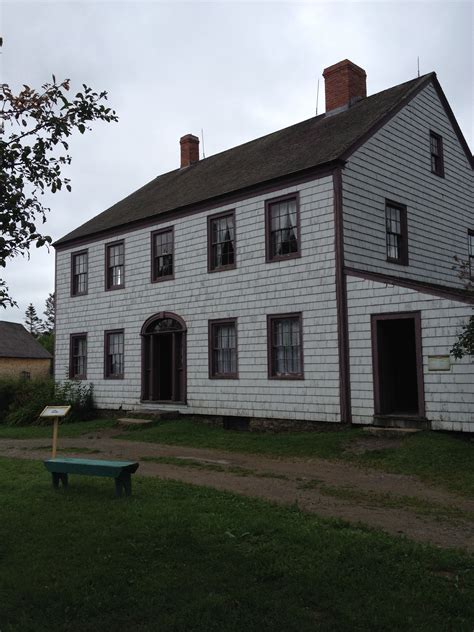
(23, 400)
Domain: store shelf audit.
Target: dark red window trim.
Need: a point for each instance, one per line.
(212, 324)
(85, 251)
(416, 317)
(108, 268)
(268, 205)
(210, 220)
(403, 249)
(470, 236)
(168, 277)
(107, 374)
(271, 318)
(72, 376)
(439, 169)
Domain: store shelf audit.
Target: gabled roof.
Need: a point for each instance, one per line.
(16, 342)
(314, 143)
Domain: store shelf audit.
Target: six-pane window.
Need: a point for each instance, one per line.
(162, 259)
(78, 357)
(282, 226)
(436, 148)
(79, 273)
(221, 241)
(396, 233)
(114, 354)
(115, 257)
(471, 253)
(223, 348)
(285, 348)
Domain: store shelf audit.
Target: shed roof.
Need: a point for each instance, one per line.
(17, 342)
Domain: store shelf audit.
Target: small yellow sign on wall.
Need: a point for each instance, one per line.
(439, 363)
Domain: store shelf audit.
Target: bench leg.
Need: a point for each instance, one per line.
(123, 483)
(59, 477)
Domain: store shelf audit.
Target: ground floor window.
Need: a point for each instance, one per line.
(78, 357)
(114, 354)
(285, 346)
(223, 348)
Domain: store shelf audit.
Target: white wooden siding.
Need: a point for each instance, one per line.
(250, 292)
(449, 396)
(395, 164)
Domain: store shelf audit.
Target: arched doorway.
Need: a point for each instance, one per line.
(164, 358)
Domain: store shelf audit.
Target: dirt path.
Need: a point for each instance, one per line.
(327, 488)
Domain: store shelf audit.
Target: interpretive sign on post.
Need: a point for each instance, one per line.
(55, 412)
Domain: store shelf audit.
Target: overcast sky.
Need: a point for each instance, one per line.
(238, 70)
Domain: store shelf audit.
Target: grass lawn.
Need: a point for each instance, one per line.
(46, 432)
(181, 558)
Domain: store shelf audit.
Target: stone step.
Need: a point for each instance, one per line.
(390, 432)
(129, 421)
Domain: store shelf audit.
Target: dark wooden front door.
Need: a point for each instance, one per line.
(163, 374)
(398, 364)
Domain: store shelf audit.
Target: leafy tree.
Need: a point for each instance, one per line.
(32, 322)
(33, 146)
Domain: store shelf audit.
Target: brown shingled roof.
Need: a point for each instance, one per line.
(312, 143)
(17, 342)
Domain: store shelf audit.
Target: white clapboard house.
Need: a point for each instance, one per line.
(307, 275)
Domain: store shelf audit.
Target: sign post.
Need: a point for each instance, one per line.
(55, 412)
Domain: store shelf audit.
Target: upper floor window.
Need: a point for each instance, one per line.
(471, 253)
(285, 346)
(78, 357)
(223, 348)
(396, 233)
(282, 228)
(221, 241)
(114, 354)
(115, 265)
(162, 255)
(79, 273)
(436, 149)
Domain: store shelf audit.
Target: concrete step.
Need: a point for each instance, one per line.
(133, 423)
(390, 432)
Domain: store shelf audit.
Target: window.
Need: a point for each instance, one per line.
(78, 357)
(114, 354)
(396, 233)
(221, 241)
(162, 255)
(471, 253)
(285, 346)
(25, 375)
(436, 149)
(115, 266)
(282, 228)
(79, 273)
(223, 348)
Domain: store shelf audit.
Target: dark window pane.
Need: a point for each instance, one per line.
(78, 357)
(79, 273)
(163, 254)
(286, 346)
(394, 233)
(115, 265)
(223, 349)
(115, 354)
(283, 228)
(222, 242)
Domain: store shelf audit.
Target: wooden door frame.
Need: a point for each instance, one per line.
(416, 317)
(145, 340)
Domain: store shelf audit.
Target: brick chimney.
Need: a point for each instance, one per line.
(189, 150)
(345, 84)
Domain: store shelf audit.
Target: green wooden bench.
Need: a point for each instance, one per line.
(121, 471)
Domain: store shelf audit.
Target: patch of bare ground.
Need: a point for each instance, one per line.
(398, 504)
